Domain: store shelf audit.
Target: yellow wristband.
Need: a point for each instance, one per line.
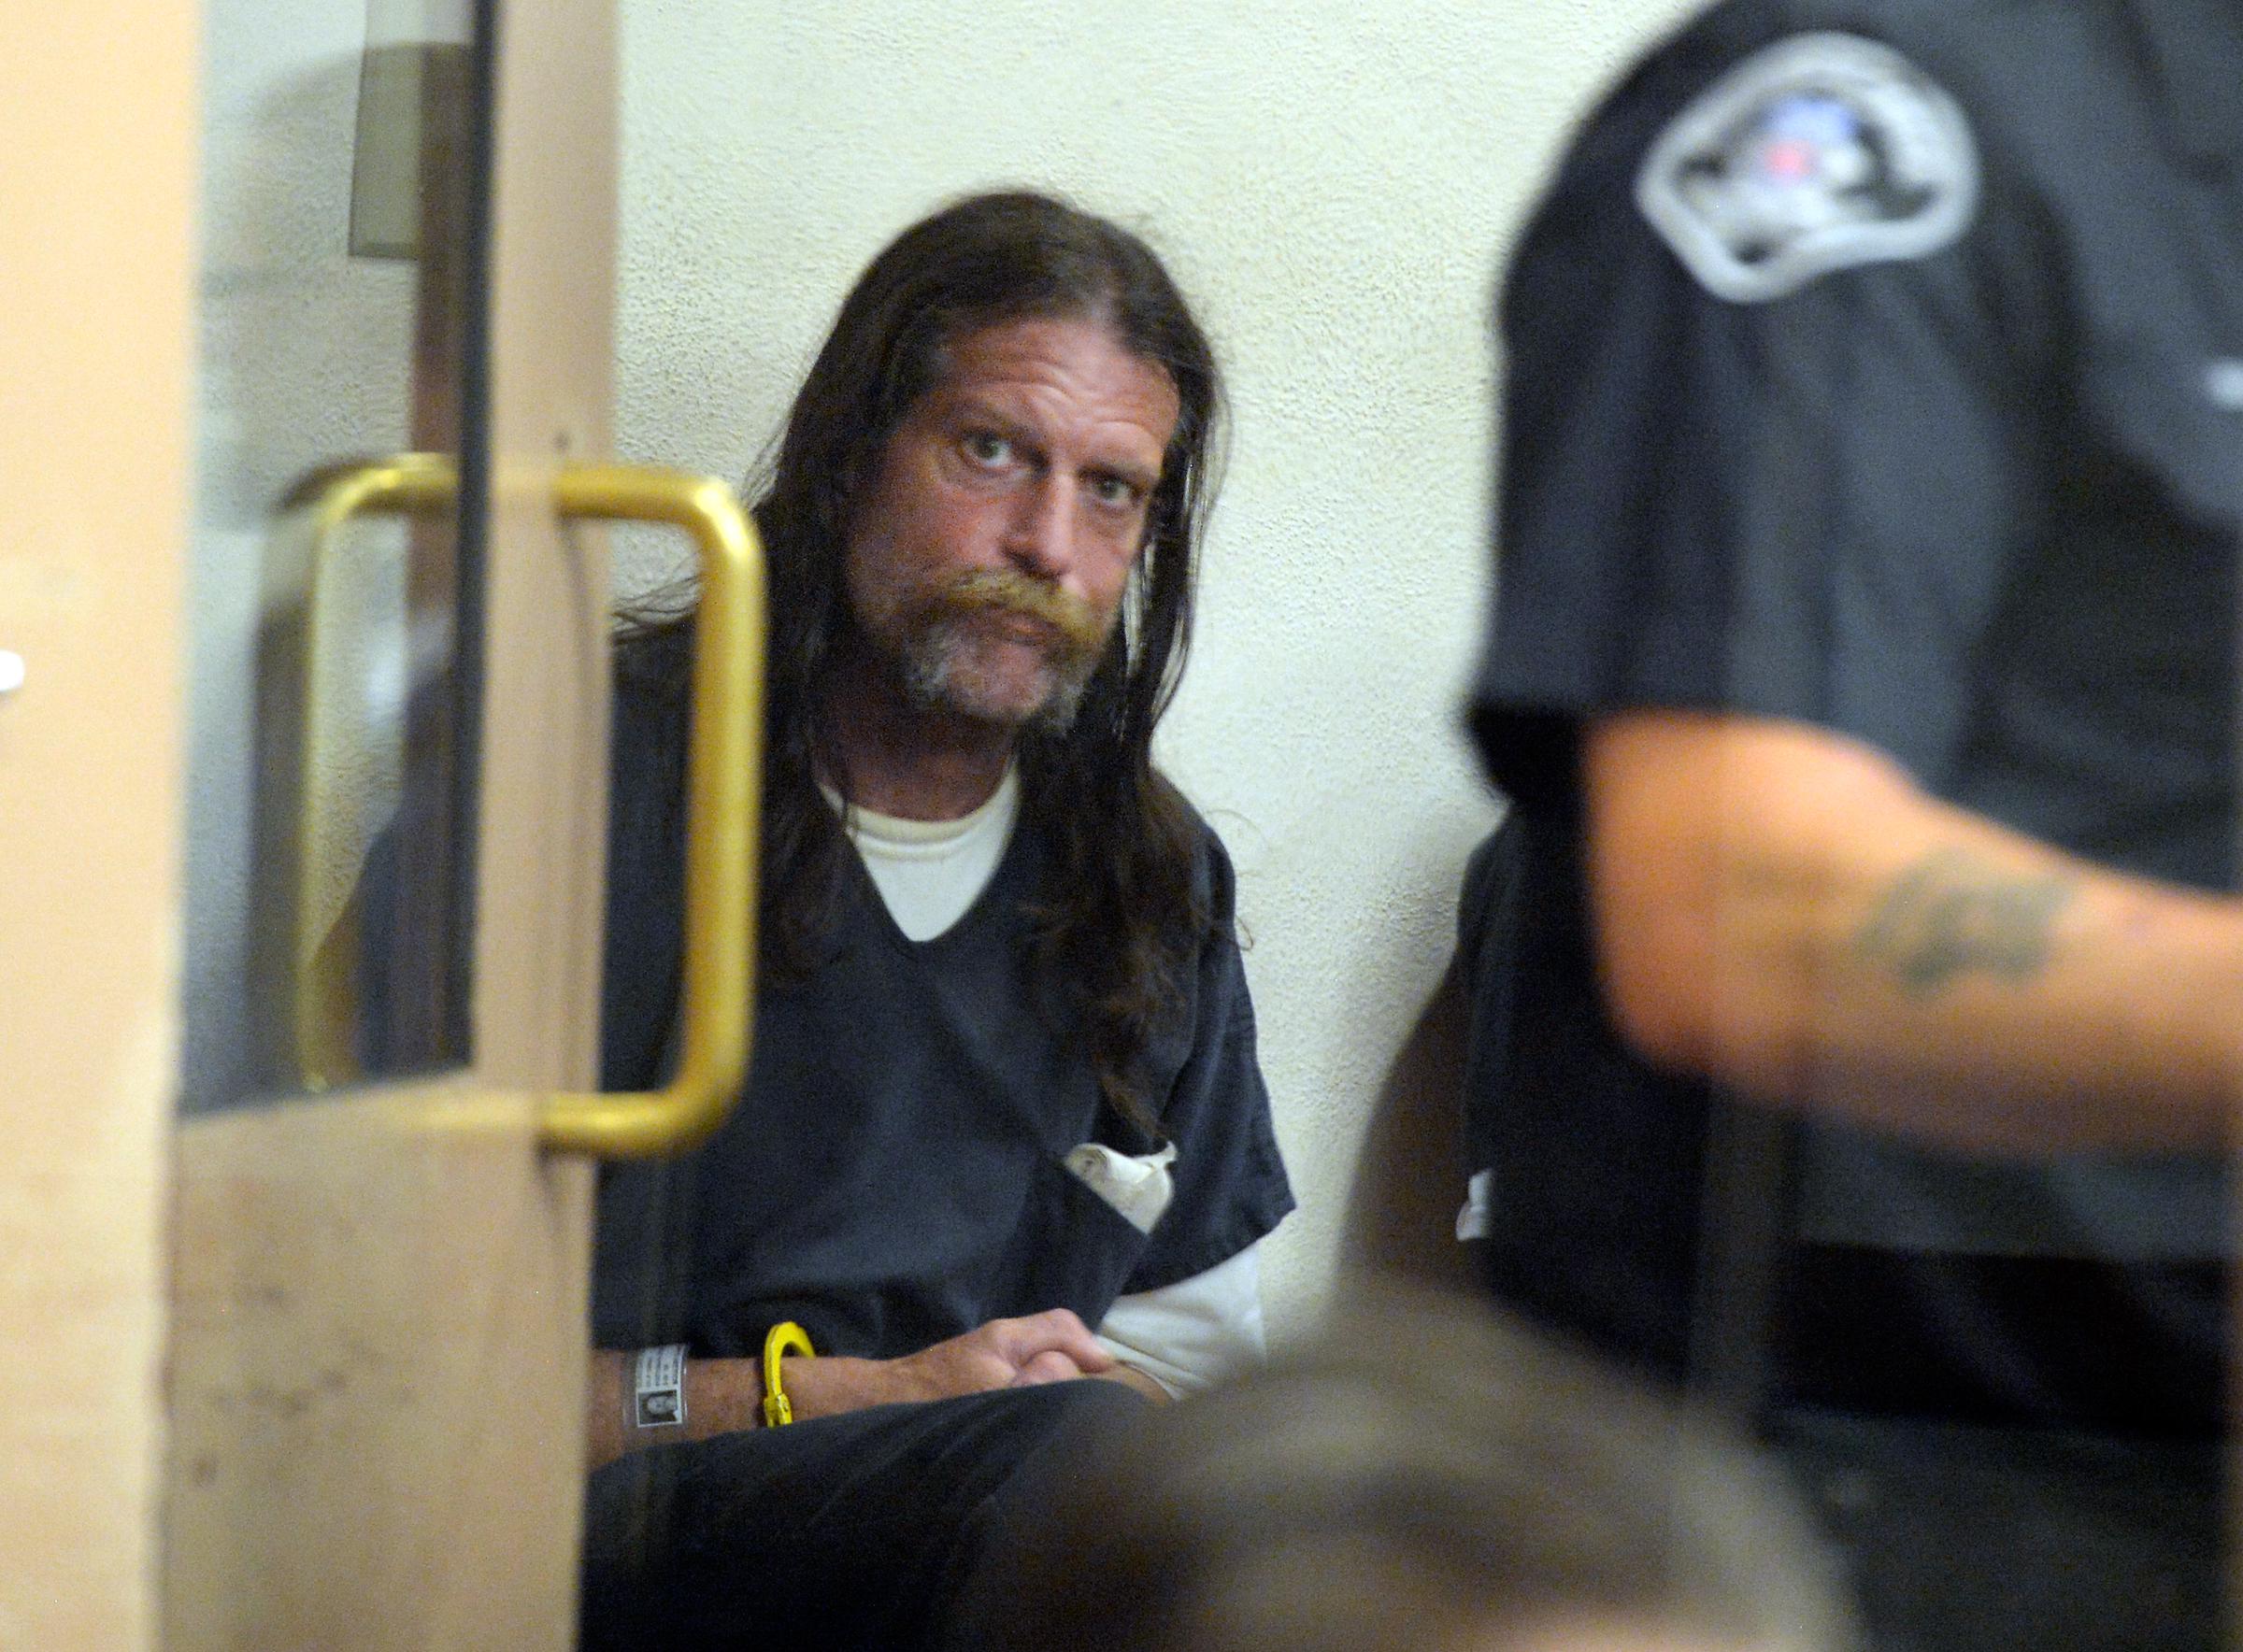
(786, 1338)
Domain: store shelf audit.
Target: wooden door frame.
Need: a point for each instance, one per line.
(380, 1300)
(480, 1382)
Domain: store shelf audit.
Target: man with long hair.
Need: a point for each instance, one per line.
(1005, 1092)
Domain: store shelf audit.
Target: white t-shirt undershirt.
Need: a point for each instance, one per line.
(929, 873)
(1187, 1337)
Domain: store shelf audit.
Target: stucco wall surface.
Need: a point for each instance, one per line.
(1335, 185)
(302, 358)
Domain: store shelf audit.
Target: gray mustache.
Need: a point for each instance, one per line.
(1006, 591)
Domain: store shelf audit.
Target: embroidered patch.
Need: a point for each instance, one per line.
(1819, 153)
(2222, 385)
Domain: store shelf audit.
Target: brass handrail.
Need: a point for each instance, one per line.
(404, 484)
(724, 796)
(723, 792)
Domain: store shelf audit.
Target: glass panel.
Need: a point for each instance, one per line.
(335, 675)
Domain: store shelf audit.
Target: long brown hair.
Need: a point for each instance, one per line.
(1121, 923)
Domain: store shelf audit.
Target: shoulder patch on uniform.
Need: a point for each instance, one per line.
(1818, 153)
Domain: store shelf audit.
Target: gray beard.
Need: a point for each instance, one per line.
(932, 660)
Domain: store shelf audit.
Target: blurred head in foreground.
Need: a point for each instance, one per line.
(1420, 1476)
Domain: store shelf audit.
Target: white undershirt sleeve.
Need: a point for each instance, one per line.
(1197, 1333)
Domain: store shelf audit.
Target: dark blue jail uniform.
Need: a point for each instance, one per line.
(891, 1177)
(1979, 507)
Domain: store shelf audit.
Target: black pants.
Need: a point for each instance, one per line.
(1965, 1539)
(870, 1531)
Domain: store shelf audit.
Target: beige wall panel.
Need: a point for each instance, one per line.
(379, 1314)
(97, 259)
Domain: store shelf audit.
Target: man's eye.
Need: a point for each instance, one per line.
(1113, 491)
(984, 448)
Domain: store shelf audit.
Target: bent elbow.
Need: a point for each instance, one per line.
(1660, 1005)
(1683, 1009)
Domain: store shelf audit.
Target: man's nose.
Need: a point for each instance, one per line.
(1040, 538)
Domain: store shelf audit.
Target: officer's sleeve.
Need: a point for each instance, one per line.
(1802, 508)
(1231, 1187)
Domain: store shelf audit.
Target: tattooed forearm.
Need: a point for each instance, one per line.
(1952, 914)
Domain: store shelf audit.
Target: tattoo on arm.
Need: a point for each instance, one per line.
(1952, 914)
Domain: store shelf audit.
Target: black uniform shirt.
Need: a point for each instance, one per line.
(895, 1174)
(1974, 498)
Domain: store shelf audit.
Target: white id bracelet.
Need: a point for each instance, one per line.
(658, 1391)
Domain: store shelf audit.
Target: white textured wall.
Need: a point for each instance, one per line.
(303, 359)
(1333, 183)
